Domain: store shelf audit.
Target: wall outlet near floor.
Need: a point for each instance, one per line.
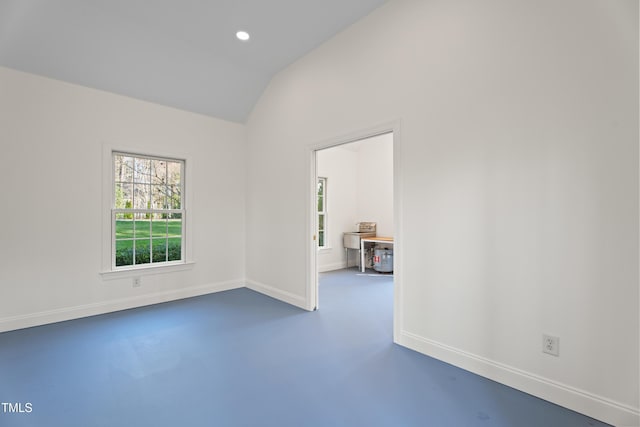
(551, 345)
(137, 282)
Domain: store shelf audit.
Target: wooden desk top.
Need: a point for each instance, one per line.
(378, 239)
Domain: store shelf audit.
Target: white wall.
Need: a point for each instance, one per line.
(339, 166)
(519, 178)
(52, 134)
(375, 182)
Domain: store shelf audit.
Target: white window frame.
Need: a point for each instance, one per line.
(108, 270)
(115, 211)
(323, 213)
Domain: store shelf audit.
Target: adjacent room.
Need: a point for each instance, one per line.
(355, 199)
(345, 213)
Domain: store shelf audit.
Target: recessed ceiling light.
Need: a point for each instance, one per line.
(242, 35)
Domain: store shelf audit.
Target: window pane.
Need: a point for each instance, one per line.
(143, 251)
(320, 204)
(123, 168)
(174, 225)
(124, 226)
(174, 197)
(174, 249)
(321, 238)
(174, 169)
(142, 170)
(159, 250)
(142, 225)
(141, 196)
(124, 252)
(159, 228)
(123, 196)
(158, 172)
(159, 194)
(320, 187)
(321, 222)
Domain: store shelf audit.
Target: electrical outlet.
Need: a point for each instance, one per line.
(551, 345)
(137, 282)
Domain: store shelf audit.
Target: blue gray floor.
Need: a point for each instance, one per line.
(238, 358)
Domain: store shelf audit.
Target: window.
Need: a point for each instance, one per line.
(322, 212)
(147, 215)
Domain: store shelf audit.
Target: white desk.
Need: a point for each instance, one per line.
(384, 240)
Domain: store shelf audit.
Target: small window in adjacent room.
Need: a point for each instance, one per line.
(147, 214)
(322, 212)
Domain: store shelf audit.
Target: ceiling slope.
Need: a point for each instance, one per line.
(182, 54)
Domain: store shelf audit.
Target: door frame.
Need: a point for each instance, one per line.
(312, 173)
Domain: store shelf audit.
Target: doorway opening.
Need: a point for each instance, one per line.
(354, 188)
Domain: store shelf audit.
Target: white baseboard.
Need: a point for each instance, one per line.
(278, 294)
(22, 321)
(581, 401)
(331, 267)
(103, 307)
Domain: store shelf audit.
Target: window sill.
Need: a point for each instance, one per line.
(145, 271)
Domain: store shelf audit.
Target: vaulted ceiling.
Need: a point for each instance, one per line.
(179, 53)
